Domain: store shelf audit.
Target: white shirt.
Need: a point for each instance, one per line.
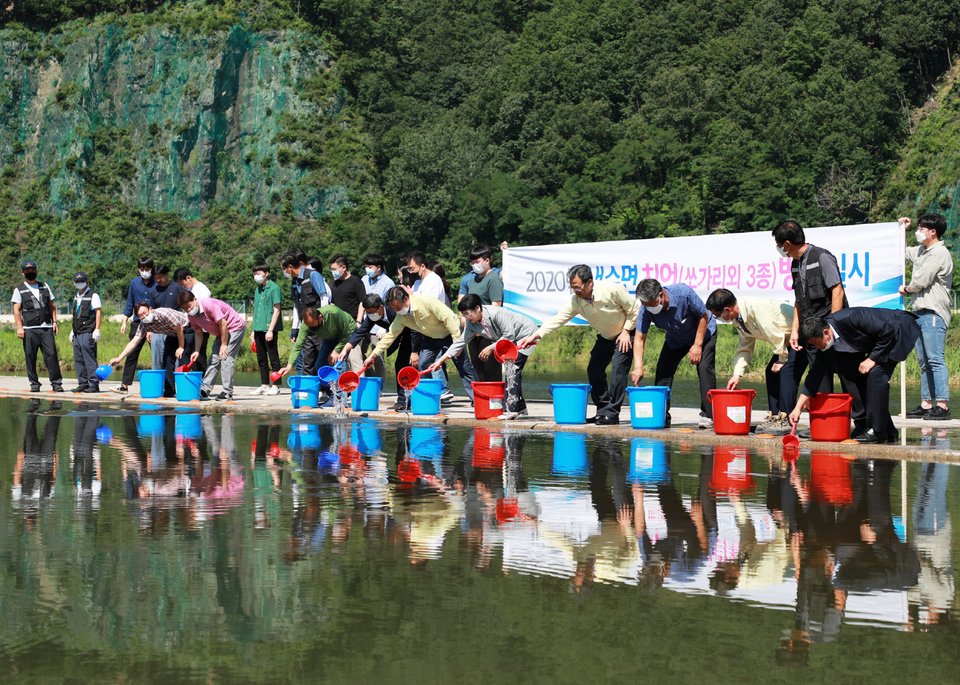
(839, 344)
(94, 300)
(199, 290)
(35, 291)
(432, 285)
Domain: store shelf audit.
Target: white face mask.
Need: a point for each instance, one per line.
(371, 273)
(80, 285)
(782, 251)
(827, 344)
(479, 268)
(195, 311)
(374, 317)
(288, 274)
(404, 311)
(259, 278)
(149, 318)
(721, 320)
(145, 275)
(920, 235)
(655, 310)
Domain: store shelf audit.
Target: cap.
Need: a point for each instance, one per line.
(28, 263)
(80, 276)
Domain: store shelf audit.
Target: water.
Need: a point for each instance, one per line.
(176, 548)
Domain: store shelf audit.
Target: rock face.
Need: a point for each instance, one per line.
(172, 123)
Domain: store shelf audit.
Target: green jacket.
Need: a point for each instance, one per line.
(336, 325)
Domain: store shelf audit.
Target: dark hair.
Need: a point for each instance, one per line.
(299, 255)
(185, 298)
(471, 301)
(314, 263)
(407, 278)
(341, 260)
(288, 259)
(373, 260)
(140, 304)
(182, 273)
(581, 271)
(261, 266)
(481, 252)
(161, 269)
(145, 263)
(812, 328)
(720, 299)
(789, 231)
(418, 257)
(441, 271)
(648, 289)
(372, 301)
(311, 313)
(935, 221)
(396, 294)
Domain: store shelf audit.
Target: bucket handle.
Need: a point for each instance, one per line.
(753, 393)
(658, 387)
(477, 392)
(842, 407)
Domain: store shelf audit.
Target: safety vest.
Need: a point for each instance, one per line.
(32, 312)
(814, 299)
(306, 296)
(84, 315)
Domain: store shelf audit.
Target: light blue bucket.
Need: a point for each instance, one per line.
(151, 383)
(570, 454)
(648, 461)
(304, 391)
(648, 406)
(188, 385)
(425, 398)
(570, 402)
(367, 395)
(304, 436)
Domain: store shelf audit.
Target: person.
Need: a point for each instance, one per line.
(307, 290)
(930, 286)
(486, 284)
(329, 324)
(758, 318)
(267, 323)
(427, 282)
(612, 313)
(436, 325)
(691, 332)
(85, 334)
(35, 315)
(348, 293)
(864, 346)
(165, 296)
(211, 316)
(185, 279)
(491, 323)
(376, 316)
(141, 289)
(374, 280)
(160, 321)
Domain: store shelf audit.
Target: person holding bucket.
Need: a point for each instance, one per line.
(862, 345)
(331, 325)
(213, 317)
(159, 321)
(489, 322)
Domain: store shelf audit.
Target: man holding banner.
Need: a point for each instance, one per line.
(612, 313)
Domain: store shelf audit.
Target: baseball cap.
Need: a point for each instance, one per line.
(28, 264)
(80, 276)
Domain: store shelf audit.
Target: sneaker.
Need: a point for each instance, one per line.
(204, 394)
(767, 420)
(399, 405)
(780, 427)
(259, 391)
(58, 388)
(35, 388)
(122, 389)
(225, 397)
(447, 397)
(273, 390)
(918, 413)
(706, 423)
(938, 413)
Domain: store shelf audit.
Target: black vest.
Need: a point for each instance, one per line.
(84, 320)
(306, 297)
(34, 313)
(814, 299)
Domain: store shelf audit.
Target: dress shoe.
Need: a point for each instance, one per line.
(917, 413)
(937, 414)
(871, 437)
(608, 420)
(90, 389)
(80, 388)
(593, 419)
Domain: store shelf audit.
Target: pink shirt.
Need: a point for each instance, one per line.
(212, 311)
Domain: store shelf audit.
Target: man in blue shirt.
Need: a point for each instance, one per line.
(165, 296)
(141, 289)
(307, 290)
(374, 280)
(691, 332)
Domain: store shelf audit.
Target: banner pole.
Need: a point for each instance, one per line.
(903, 364)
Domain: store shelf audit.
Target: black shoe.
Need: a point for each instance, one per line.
(937, 414)
(804, 434)
(80, 388)
(871, 437)
(204, 394)
(58, 388)
(34, 389)
(917, 413)
(398, 406)
(225, 397)
(91, 389)
(858, 432)
(608, 420)
(593, 419)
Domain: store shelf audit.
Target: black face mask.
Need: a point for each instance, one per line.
(30, 275)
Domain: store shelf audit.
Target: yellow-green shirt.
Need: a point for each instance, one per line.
(765, 319)
(428, 316)
(611, 311)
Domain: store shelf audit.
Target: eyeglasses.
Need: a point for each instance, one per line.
(579, 288)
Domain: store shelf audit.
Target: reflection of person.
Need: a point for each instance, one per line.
(35, 315)
(933, 599)
(86, 465)
(864, 346)
(36, 471)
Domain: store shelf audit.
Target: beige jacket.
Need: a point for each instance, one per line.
(770, 320)
(612, 311)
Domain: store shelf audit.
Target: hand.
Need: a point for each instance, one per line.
(193, 357)
(269, 336)
(636, 375)
(904, 221)
(123, 327)
(414, 359)
(733, 382)
(96, 335)
(293, 334)
(528, 341)
(178, 353)
(222, 354)
(333, 358)
(20, 333)
(369, 361)
(56, 328)
(696, 351)
(114, 361)
(776, 367)
(866, 365)
(149, 337)
(795, 416)
(436, 365)
(343, 354)
(623, 341)
(504, 246)
(485, 353)
(795, 342)
(70, 337)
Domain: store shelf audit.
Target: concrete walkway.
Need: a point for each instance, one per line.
(460, 413)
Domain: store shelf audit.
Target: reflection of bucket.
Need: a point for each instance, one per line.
(427, 442)
(188, 426)
(648, 406)
(367, 395)
(366, 436)
(151, 383)
(830, 478)
(570, 402)
(188, 385)
(305, 391)
(408, 470)
(570, 454)
(488, 449)
(150, 425)
(104, 434)
(731, 469)
(304, 436)
(830, 417)
(731, 410)
(488, 399)
(648, 460)
(507, 509)
(425, 398)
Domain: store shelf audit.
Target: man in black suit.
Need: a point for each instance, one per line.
(864, 346)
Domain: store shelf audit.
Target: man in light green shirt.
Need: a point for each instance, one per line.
(332, 325)
(612, 312)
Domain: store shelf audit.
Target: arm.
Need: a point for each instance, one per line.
(180, 343)
(496, 292)
(98, 320)
(795, 330)
(836, 298)
(18, 319)
(130, 345)
(396, 328)
(741, 358)
(273, 321)
(696, 350)
(549, 326)
(224, 339)
(297, 346)
(639, 340)
(53, 313)
(198, 334)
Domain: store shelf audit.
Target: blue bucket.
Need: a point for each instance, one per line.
(425, 398)
(150, 425)
(305, 391)
(151, 383)
(328, 375)
(367, 395)
(366, 436)
(304, 436)
(189, 426)
(648, 406)
(188, 385)
(104, 434)
(648, 461)
(570, 454)
(570, 402)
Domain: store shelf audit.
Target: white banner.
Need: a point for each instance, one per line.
(870, 258)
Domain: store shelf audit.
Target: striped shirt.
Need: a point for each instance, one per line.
(165, 322)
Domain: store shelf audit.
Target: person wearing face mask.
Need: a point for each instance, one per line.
(267, 323)
(307, 289)
(757, 318)
(691, 332)
(930, 289)
(427, 282)
(157, 321)
(374, 280)
(864, 346)
(185, 279)
(331, 325)
(210, 316)
(376, 323)
(85, 333)
(486, 285)
(141, 289)
(348, 293)
(35, 315)
(613, 314)
(165, 296)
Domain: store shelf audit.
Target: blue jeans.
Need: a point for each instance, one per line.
(433, 348)
(934, 377)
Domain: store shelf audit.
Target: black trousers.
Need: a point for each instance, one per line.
(130, 361)
(609, 398)
(310, 351)
(874, 387)
(669, 362)
(858, 408)
(489, 371)
(402, 360)
(43, 340)
(170, 361)
(267, 351)
(783, 385)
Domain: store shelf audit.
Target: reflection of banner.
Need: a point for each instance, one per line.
(870, 257)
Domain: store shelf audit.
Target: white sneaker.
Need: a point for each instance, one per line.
(447, 397)
(259, 391)
(705, 423)
(274, 390)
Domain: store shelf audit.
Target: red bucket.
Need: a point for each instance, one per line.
(487, 399)
(408, 378)
(830, 478)
(830, 417)
(731, 410)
